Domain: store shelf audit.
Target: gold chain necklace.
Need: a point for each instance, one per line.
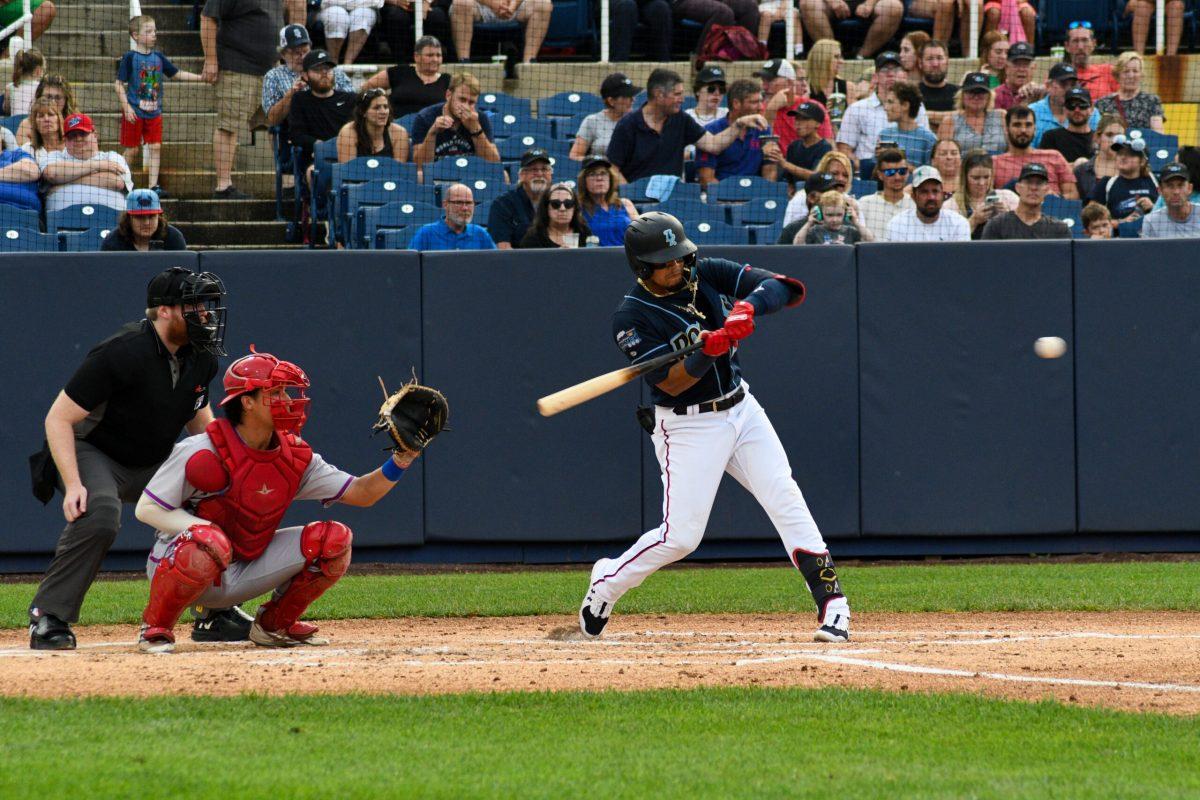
(690, 307)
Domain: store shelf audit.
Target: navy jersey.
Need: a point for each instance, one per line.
(645, 326)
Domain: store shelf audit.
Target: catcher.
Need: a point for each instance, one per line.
(216, 502)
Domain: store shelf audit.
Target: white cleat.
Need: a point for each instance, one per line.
(594, 612)
(836, 628)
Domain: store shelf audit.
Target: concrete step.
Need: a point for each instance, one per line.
(199, 155)
(115, 16)
(257, 233)
(178, 126)
(223, 211)
(198, 184)
(114, 43)
(186, 96)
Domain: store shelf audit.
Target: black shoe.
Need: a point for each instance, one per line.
(222, 625)
(48, 632)
(230, 192)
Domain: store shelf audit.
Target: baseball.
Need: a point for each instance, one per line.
(1049, 347)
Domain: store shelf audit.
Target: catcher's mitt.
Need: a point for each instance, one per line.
(412, 416)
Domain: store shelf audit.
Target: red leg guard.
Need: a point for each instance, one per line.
(326, 549)
(197, 557)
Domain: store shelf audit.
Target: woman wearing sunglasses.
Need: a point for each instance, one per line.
(557, 222)
(978, 199)
(709, 88)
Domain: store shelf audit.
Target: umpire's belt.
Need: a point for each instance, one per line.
(723, 404)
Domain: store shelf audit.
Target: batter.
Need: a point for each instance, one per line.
(705, 421)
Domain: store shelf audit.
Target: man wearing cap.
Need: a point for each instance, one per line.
(863, 121)
(236, 37)
(454, 128)
(1019, 125)
(19, 174)
(111, 426)
(283, 82)
(1098, 79)
(928, 220)
(143, 227)
(82, 174)
(1050, 112)
(1179, 218)
(937, 93)
(805, 151)
(747, 154)
(624, 16)
(786, 86)
(512, 212)
(1018, 86)
(455, 231)
(884, 15)
(1027, 221)
(319, 113)
(617, 91)
(1075, 140)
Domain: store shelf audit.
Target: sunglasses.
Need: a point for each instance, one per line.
(1077, 106)
(714, 88)
(891, 172)
(1079, 23)
(558, 205)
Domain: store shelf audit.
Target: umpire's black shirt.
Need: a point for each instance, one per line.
(138, 395)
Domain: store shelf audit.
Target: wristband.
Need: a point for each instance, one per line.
(698, 363)
(391, 470)
(475, 133)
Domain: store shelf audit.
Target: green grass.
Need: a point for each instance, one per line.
(712, 743)
(1142, 586)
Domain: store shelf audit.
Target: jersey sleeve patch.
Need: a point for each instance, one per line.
(629, 340)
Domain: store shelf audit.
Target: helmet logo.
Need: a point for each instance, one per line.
(669, 235)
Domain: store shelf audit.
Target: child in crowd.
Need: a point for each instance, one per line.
(806, 152)
(140, 90)
(28, 68)
(1096, 221)
(902, 104)
(831, 222)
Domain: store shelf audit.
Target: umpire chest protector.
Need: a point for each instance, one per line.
(256, 486)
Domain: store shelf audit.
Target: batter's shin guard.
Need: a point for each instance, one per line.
(195, 560)
(326, 549)
(822, 579)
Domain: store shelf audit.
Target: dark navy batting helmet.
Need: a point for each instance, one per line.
(654, 239)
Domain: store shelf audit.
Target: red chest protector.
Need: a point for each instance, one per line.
(261, 485)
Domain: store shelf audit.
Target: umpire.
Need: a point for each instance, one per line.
(113, 424)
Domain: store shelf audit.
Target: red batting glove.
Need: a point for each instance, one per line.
(716, 343)
(740, 322)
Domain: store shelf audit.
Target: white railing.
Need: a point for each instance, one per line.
(24, 22)
(135, 10)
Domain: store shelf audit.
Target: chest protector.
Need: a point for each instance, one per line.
(262, 484)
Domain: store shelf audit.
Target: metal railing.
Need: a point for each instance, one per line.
(24, 22)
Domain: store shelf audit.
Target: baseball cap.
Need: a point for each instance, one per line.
(710, 74)
(819, 182)
(1021, 51)
(1122, 142)
(976, 82)
(1063, 72)
(1033, 170)
(808, 110)
(887, 58)
(1174, 170)
(78, 123)
(293, 36)
(317, 57)
(924, 174)
(534, 155)
(776, 68)
(618, 85)
(141, 202)
(1077, 93)
(595, 161)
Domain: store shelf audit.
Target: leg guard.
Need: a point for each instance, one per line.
(326, 549)
(197, 557)
(822, 579)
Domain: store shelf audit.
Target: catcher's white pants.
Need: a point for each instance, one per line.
(694, 451)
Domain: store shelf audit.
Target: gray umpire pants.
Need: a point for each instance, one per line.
(84, 542)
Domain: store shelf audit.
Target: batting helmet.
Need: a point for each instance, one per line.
(655, 238)
(265, 371)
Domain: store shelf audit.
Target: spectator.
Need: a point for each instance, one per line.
(52, 87)
(993, 55)
(977, 125)
(512, 211)
(1018, 86)
(414, 86)
(47, 129)
(81, 173)
(1143, 12)
(947, 157)
(140, 83)
(937, 93)
(617, 91)
(1076, 140)
(1180, 217)
(557, 222)
(455, 127)
(372, 130)
(928, 220)
(1019, 126)
(1137, 109)
(1050, 112)
(624, 16)
(143, 226)
(650, 141)
(233, 33)
(747, 154)
(534, 14)
(784, 96)
(885, 16)
(1028, 221)
(825, 84)
(1104, 163)
(319, 113)
(285, 81)
(606, 213)
(978, 199)
(718, 12)
(27, 70)
(397, 20)
(1081, 43)
(708, 89)
(1096, 221)
(910, 49)
(456, 231)
(832, 221)
(991, 16)
(42, 11)
(877, 210)
(860, 129)
(19, 174)
(901, 104)
(347, 23)
(772, 11)
(817, 184)
(1190, 158)
(942, 14)
(1130, 194)
(806, 151)
(832, 163)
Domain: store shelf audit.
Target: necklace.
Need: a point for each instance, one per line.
(690, 307)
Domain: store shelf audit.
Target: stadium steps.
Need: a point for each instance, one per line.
(225, 211)
(232, 234)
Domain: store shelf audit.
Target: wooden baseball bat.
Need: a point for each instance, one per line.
(592, 388)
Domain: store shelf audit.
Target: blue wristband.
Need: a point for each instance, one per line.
(698, 363)
(391, 470)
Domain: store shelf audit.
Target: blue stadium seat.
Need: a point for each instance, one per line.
(1130, 230)
(766, 234)
(360, 196)
(486, 179)
(862, 188)
(394, 238)
(406, 121)
(1161, 148)
(362, 170)
(760, 211)
(482, 210)
(688, 210)
(88, 241)
(283, 165)
(636, 191)
(13, 122)
(569, 104)
(706, 232)
(23, 218)
(573, 24)
(1118, 22)
(514, 147)
(409, 216)
(1053, 19)
(744, 188)
(1066, 210)
(507, 126)
(565, 128)
(26, 240)
(81, 217)
(324, 157)
(496, 103)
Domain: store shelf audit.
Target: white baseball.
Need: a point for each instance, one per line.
(1050, 347)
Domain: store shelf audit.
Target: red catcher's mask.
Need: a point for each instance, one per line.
(265, 371)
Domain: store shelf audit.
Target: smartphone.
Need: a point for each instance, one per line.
(992, 199)
(820, 217)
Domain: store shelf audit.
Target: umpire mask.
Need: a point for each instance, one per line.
(201, 295)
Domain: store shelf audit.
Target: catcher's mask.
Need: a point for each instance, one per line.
(266, 372)
(201, 295)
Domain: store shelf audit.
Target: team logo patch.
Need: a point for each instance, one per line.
(626, 340)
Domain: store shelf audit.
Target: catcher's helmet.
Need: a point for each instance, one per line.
(202, 296)
(655, 238)
(265, 371)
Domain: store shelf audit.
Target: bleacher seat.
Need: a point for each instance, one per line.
(363, 170)
(283, 165)
(1161, 148)
(569, 104)
(707, 232)
(360, 196)
(860, 188)
(23, 218)
(565, 128)
(88, 241)
(1130, 230)
(636, 191)
(482, 210)
(26, 240)
(397, 215)
(1053, 19)
(1066, 210)
(486, 179)
(394, 239)
(496, 103)
(759, 211)
(512, 148)
(688, 210)
(81, 217)
(766, 234)
(324, 157)
(13, 122)
(744, 188)
(506, 126)
(406, 121)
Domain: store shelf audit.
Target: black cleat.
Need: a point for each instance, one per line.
(222, 625)
(835, 630)
(48, 632)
